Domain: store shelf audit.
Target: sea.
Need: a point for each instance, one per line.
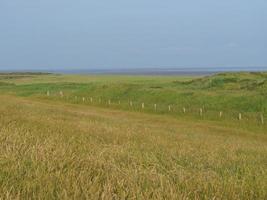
(147, 71)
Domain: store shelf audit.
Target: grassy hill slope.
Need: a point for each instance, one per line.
(229, 93)
(54, 150)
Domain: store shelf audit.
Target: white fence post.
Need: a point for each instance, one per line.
(143, 105)
(61, 94)
(262, 119)
(240, 116)
(201, 112)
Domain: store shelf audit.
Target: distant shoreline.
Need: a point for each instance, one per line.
(144, 71)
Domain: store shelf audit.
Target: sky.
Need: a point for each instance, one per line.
(86, 34)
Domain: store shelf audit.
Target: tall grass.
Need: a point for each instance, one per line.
(63, 151)
(61, 147)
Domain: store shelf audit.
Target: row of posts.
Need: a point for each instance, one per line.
(155, 106)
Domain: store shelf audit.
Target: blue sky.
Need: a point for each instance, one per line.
(84, 34)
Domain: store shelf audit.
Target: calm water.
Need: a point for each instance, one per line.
(161, 71)
(149, 71)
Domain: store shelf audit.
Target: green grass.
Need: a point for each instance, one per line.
(64, 148)
(231, 93)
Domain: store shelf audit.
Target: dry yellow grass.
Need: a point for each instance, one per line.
(59, 151)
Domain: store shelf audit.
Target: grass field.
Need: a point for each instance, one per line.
(54, 147)
(230, 94)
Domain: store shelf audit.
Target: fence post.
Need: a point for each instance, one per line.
(240, 116)
(262, 119)
(155, 107)
(131, 103)
(91, 99)
(83, 99)
(61, 94)
(48, 93)
(184, 110)
(201, 112)
(143, 105)
(169, 107)
(221, 113)
(109, 102)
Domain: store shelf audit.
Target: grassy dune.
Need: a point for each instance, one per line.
(242, 92)
(63, 148)
(229, 93)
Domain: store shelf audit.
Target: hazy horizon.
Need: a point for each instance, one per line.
(143, 71)
(86, 35)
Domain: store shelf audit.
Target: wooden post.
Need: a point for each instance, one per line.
(262, 119)
(143, 105)
(201, 112)
(83, 99)
(169, 108)
(61, 94)
(109, 102)
(155, 107)
(91, 99)
(184, 110)
(48, 93)
(221, 113)
(131, 103)
(240, 116)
